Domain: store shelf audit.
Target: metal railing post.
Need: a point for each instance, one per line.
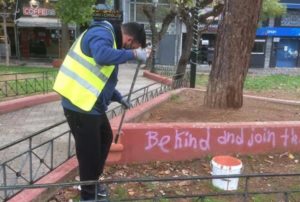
(47, 80)
(43, 79)
(16, 80)
(69, 144)
(52, 155)
(246, 194)
(4, 180)
(286, 197)
(6, 93)
(30, 161)
(26, 86)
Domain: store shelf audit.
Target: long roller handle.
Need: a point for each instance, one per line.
(128, 100)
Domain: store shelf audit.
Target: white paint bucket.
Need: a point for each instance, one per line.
(226, 165)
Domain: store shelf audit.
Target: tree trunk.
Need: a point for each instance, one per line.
(187, 46)
(150, 12)
(65, 40)
(186, 52)
(154, 40)
(6, 38)
(235, 39)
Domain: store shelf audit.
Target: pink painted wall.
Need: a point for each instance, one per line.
(181, 141)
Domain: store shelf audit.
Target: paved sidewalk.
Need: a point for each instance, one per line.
(22, 123)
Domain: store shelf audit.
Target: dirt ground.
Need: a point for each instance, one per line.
(188, 107)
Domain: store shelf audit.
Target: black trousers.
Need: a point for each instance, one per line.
(93, 137)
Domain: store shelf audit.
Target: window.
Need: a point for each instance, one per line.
(259, 47)
(291, 19)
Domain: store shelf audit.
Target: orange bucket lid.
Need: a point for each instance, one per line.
(227, 161)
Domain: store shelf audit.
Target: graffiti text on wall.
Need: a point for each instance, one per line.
(184, 139)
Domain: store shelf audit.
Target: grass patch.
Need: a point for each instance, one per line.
(261, 83)
(25, 69)
(120, 193)
(175, 98)
(272, 82)
(263, 198)
(201, 80)
(26, 84)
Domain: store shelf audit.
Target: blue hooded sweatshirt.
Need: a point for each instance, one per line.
(97, 42)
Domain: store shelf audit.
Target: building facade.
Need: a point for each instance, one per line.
(35, 33)
(278, 44)
(38, 30)
(169, 49)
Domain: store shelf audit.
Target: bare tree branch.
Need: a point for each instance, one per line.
(166, 21)
(216, 11)
(149, 11)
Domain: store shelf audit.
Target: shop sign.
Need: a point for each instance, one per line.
(278, 31)
(34, 9)
(108, 15)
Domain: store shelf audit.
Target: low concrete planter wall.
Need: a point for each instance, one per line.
(182, 141)
(29, 101)
(144, 142)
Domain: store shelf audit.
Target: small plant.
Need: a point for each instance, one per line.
(120, 193)
(202, 80)
(263, 198)
(272, 82)
(164, 200)
(175, 98)
(260, 83)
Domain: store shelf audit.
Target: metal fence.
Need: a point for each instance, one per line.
(26, 83)
(247, 190)
(18, 84)
(26, 160)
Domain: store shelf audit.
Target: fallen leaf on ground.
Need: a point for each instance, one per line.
(291, 156)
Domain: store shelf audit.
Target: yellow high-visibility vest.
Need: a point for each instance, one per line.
(80, 79)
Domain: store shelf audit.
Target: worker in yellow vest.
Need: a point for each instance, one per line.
(86, 81)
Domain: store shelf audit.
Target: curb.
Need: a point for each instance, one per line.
(157, 77)
(21, 103)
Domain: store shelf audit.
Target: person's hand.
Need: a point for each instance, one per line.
(140, 54)
(125, 104)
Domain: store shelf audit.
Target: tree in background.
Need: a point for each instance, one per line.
(272, 9)
(7, 8)
(235, 40)
(72, 11)
(151, 11)
(185, 10)
(191, 15)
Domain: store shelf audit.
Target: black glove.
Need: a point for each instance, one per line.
(125, 104)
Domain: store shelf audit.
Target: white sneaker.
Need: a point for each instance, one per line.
(101, 189)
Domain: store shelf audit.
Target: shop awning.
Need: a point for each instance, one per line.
(292, 5)
(40, 22)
